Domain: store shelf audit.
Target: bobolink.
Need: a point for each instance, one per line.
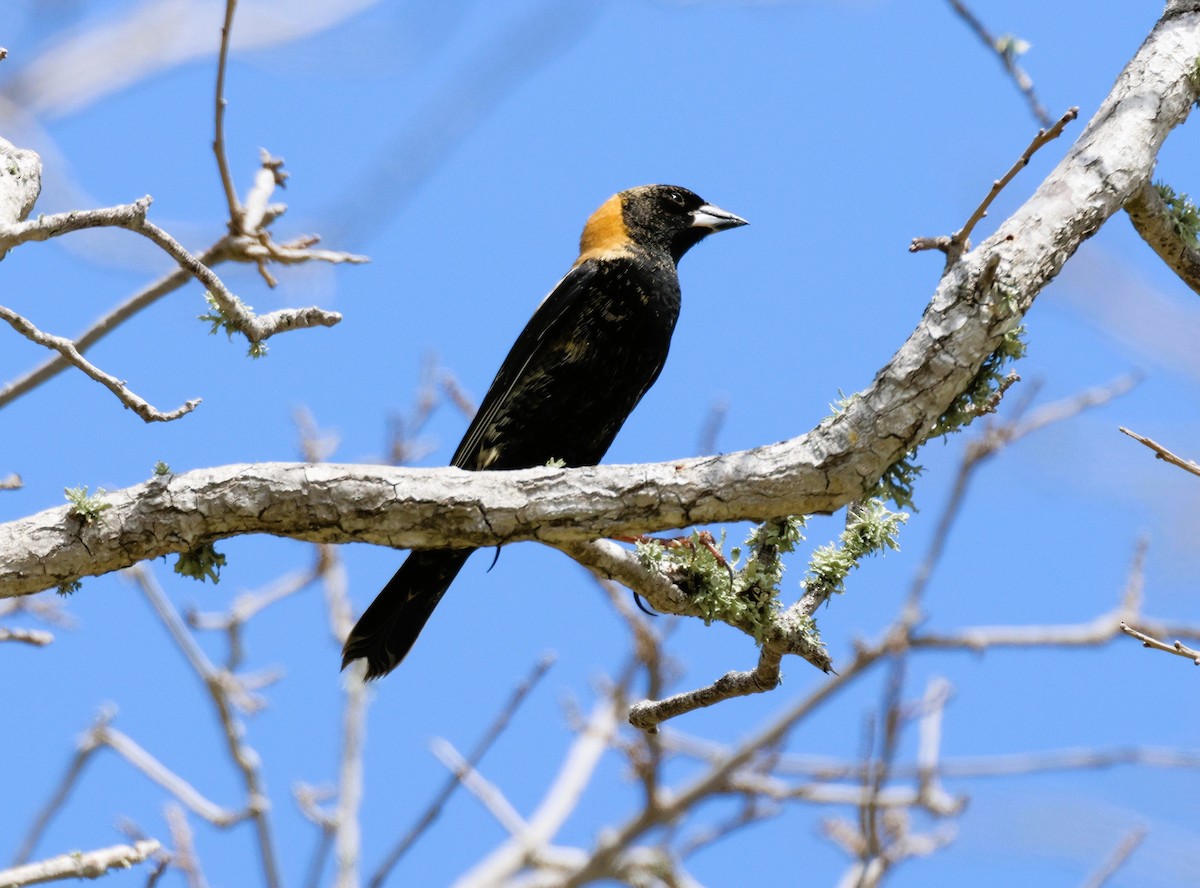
(582, 363)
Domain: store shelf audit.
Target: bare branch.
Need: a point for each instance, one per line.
(66, 348)
(84, 750)
(1007, 55)
(103, 734)
(133, 218)
(231, 198)
(484, 790)
(1124, 850)
(648, 714)
(347, 846)
(991, 441)
(215, 254)
(78, 865)
(128, 216)
(36, 637)
(1186, 464)
(184, 857)
(960, 242)
(559, 801)
(471, 762)
(1176, 647)
(254, 328)
(226, 691)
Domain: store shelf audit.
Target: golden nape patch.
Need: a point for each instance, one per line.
(605, 232)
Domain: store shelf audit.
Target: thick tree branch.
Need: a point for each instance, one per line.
(979, 299)
(1152, 219)
(20, 183)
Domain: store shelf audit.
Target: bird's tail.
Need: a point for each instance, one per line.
(387, 630)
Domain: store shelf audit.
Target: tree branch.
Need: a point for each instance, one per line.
(71, 355)
(1162, 453)
(77, 865)
(817, 472)
(1007, 54)
(1151, 218)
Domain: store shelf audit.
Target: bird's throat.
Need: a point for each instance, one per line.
(605, 233)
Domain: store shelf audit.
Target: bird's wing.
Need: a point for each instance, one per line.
(557, 312)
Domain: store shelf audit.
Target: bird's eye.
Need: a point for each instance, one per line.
(676, 198)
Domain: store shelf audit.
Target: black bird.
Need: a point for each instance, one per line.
(582, 363)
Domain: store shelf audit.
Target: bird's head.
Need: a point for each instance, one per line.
(657, 217)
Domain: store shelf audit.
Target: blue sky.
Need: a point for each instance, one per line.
(461, 146)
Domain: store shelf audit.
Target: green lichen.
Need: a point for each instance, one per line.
(87, 507)
(871, 528)
(898, 482)
(202, 563)
(219, 319)
(68, 587)
(1185, 216)
(718, 590)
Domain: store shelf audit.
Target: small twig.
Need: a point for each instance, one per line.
(1125, 848)
(11, 482)
(1007, 58)
(238, 248)
(434, 810)
(1177, 647)
(132, 217)
(308, 799)
(36, 637)
(269, 176)
(150, 294)
(994, 438)
(247, 604)
(235, 208)
(79, 760)
(649, 714)
(713, 422)
(226, 690)
(876, 851)
(959, 243)
(929, 749)
(484, 790)
(103, 734)
(1186, 464)
(1043, 137)
(129, 216)
(70, 353)
(346, 831)
(559, 801)
(404, 444)
(78, 865)
(184, 857)
(753, 811)
(458, 396)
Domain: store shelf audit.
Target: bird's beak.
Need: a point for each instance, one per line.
(715, 219)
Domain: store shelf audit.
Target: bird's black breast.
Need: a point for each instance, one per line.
(582, 363)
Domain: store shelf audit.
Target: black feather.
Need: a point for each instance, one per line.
(582, 363)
